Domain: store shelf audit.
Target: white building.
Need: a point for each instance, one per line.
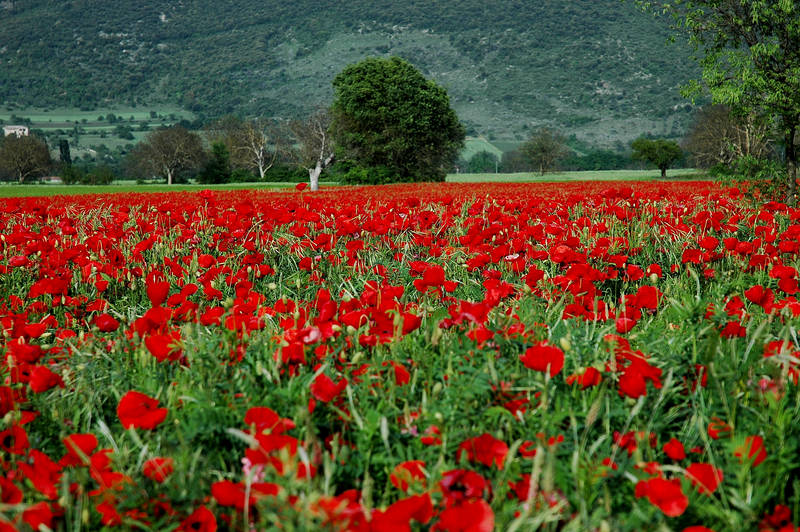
(20, 131)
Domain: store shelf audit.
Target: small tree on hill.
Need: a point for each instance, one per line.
(659, 152)
(24, 157)
(389, 119)
(166, 152)
(545, 149)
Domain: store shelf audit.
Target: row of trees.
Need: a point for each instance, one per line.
(387, 123)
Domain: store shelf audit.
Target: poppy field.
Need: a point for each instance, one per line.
(448, 357)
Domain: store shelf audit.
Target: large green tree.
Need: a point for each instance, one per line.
(750, 54)
(388, 118)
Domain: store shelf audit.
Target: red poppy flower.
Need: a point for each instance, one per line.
(164, 346)
(718, 428)
(398, 516)
(624, 325)
(157, 289)
(467, 516)
(137, 410)
(266, 419)
(485, 449)
(201, 520)
(705, 476)
(324, 389)
(14, 440)
(543, 356)
(752, 450)
(665, 494)
(106, 323)
(301, 186)
(42, 379)
(407, 473)
(158, 468)
(9, 492)
(590, 377)
(458, 484)
(674, 449)
(43, 473)
(109, 515)
(79, 449)
(37, 515)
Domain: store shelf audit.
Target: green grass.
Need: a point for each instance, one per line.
(18, 191)
(594, 175)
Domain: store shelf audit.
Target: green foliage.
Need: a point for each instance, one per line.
(100, 175)
(749, 51)
(75, 175)
(659, 152)
(481, 162)
(376, 175)
(241, 175)
(218, 167)
(758, 179)
(514, 161)
(286, 173)
(124, 132)
(71, 174)
(387, 115)
(597, 160)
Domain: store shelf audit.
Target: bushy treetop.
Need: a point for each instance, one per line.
(388, 117)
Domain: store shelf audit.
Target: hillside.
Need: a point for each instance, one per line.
(596, 68)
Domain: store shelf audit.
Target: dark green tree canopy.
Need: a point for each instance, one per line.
(482, 162)
(658, 152)
(389, 119)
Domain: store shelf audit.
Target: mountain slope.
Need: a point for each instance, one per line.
(596, 68)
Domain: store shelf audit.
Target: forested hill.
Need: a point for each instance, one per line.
(598, 68)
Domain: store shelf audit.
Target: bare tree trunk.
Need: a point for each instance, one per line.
(313, 175)
(791, 163)
(169, 176)
(663, 173)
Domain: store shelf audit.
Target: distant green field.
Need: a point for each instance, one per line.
(18, 191)
(596, 175)
(91, 129)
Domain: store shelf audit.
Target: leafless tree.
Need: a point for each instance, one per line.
(253, 144)
(24, 157)
(314, 150)
(168, 151)
(719, 137)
